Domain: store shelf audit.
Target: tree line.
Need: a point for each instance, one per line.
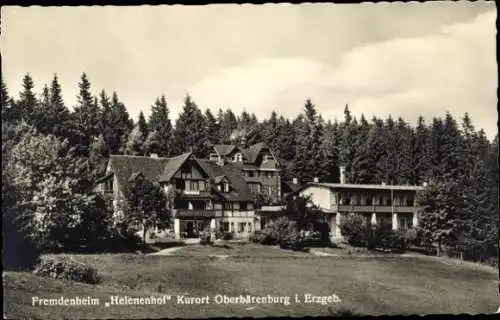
(49, 149)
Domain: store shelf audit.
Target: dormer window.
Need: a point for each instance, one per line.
(267, 157)
(238, 157)
(108, 185)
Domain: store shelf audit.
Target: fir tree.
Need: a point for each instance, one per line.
(86, 116)
(213, 127)
(190, 133)
(143, 126)
(330, 151)
(136, 142)
(28, 101)
(117, 124)
(347, 144)
(229, 123)
(420, 169)
(309, 156)
(361, 161)
(160, 137)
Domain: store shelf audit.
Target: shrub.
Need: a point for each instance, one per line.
(206, 236)
(400, 240)
(120, 239)
(353, 229)
(287, 235)
(322, 231)
(68, 269)
(384, 236)
(227, 236)
(264, 237)
(20, 251)
(292, 239)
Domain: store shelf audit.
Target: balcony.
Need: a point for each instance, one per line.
(191, 192)
(197, 213)
(371, 209)
(194, 193)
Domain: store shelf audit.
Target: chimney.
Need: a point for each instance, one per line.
(383, 183)
(316, 180)
(295, 181)
(343, 179)
(154, 155)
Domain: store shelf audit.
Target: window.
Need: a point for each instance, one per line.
(108, 185)
(225, 226)
(237, 157)
(402, 223)
(219, 187)
(270, 175)
(236, 206)
(269, 190)
(202, 185)
(249, 227)
(193, 185)
(409, 202)
(232, 226)
(241, 227)
(250, 173)
(267, 158)
(369, 201)
(249, 206)
(214, 157)
(226, 187)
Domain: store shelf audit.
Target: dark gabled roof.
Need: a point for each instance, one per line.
(251, 153)
(124, 166)
(173, 165)
(239, 189)
(224, 149)
(289, 186)
(127, 168)
(218, 179)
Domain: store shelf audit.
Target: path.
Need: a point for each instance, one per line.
(165, 252)
(220, 256)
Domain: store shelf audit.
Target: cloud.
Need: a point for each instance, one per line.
(452, 69)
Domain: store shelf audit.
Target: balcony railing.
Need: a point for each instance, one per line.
(192, 192)
(186, 213)
(370, 209)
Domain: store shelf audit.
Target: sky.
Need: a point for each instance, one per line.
(402, 59)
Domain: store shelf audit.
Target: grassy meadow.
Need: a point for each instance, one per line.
(371, 285)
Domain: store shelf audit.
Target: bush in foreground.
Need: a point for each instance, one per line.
(206, 236)
(19, 250)
(354, 230)
(264, 237)
(67, 269)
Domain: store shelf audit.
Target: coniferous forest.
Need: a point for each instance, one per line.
(51, 155)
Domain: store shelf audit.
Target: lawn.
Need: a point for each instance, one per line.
(368, 285)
